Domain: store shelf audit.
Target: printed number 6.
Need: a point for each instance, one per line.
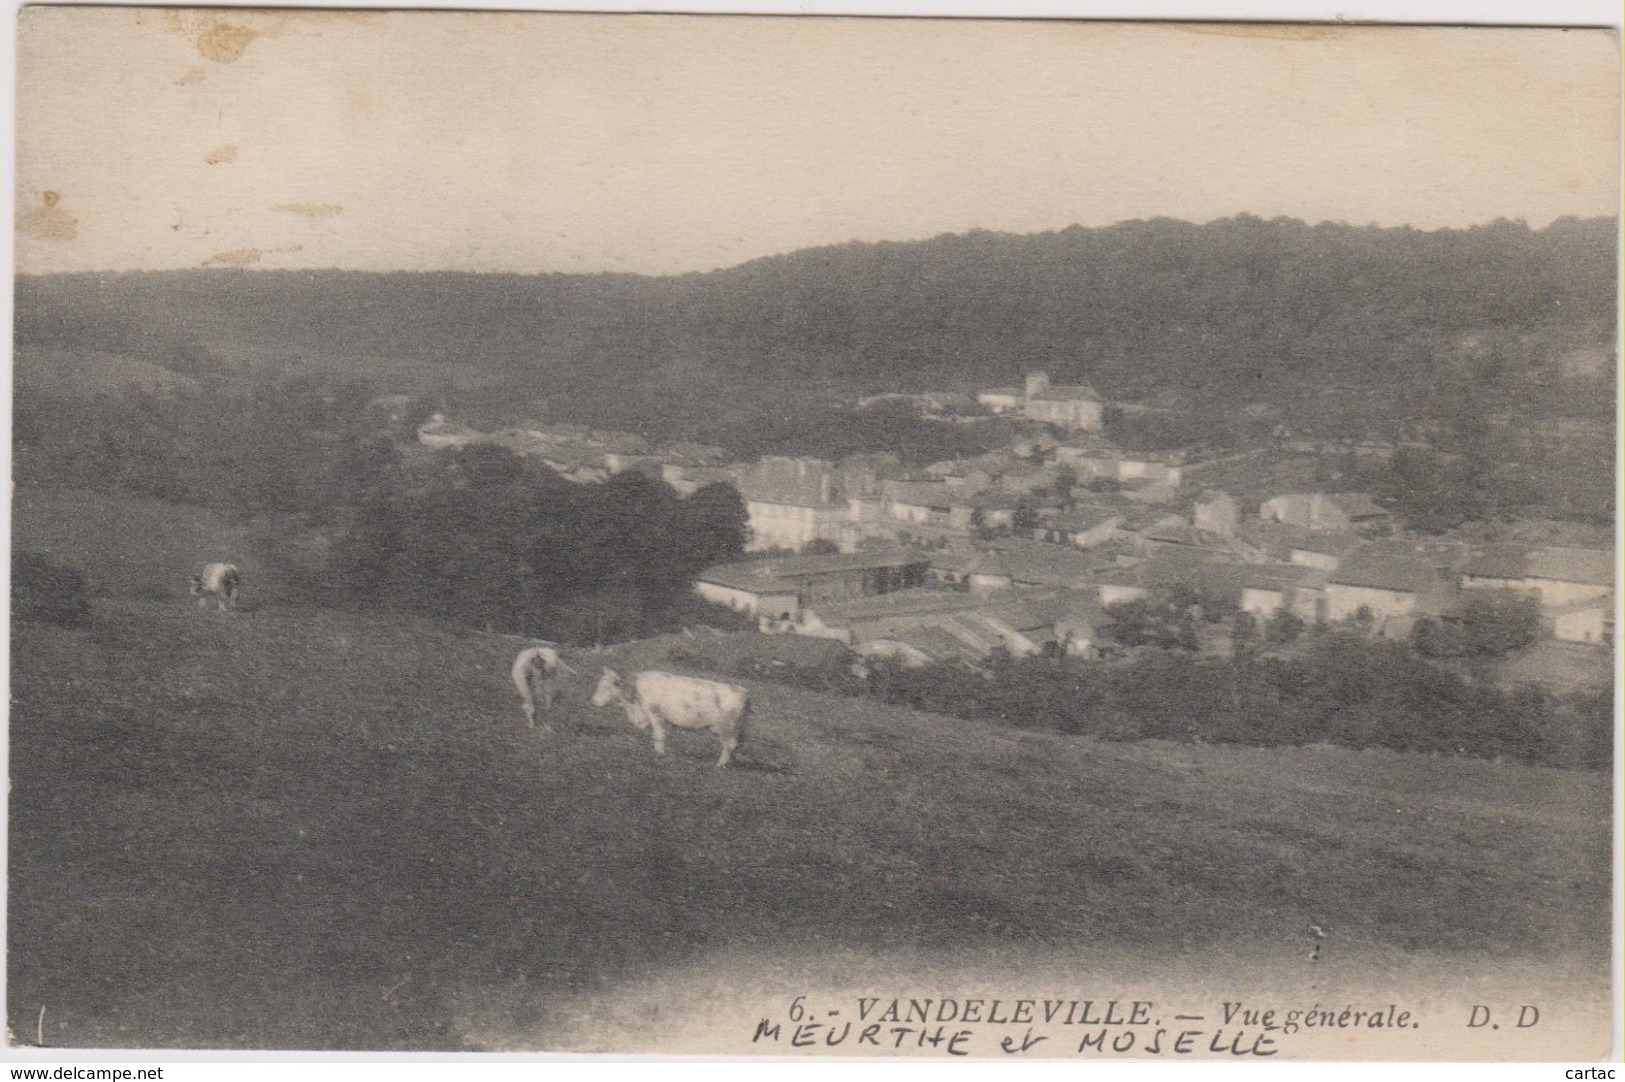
(796, 1011)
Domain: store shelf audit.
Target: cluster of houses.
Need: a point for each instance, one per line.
(1078, 487)
(1023, 549)
(1073, 408)
(942, 606)
(587, 455)
(1323, 558)
(864, 499)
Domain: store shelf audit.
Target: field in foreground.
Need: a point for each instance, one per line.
(293, 828)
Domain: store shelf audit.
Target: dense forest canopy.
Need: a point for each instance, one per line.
(1362, 326)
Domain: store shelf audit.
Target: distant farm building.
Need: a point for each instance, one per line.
(1589, 622)
(791, 503)
(1557, 576)
(1094, 460)
(1343, 511)
(1002, 400)
(1085, 527)
(1262, 590)
(1075, 407)
(1394, 590)
(946, 625)
(776, 589)
(1280, 543)
(1011, 562)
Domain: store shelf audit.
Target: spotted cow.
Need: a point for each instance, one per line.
(654, 700)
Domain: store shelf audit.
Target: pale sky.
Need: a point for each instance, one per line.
(658, 144)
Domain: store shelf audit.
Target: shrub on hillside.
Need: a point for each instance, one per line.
(1437, 638)
(578, 563)
(1344, 690)
(1583, 735)
(1488, 627)
(1495, 626)
(1153, 622)
(1284, 627)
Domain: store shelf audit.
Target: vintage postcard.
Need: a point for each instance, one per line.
(812, 537)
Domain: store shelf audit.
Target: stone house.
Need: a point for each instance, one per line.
(999, 400)
(1340, 512)
(1260, 589)
(1557, 576)
(1277, 542)
(927, 503)
(977, 571)
(791, 502)
(1083, 527)
(1588, 622)
(1075, 407)
(1396, 590)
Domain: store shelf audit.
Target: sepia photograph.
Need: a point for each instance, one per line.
(812, 537)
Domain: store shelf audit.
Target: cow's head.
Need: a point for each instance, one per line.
(609, 689)
(197, 585)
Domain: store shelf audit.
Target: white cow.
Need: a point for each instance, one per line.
(220, 582)
(536, 676)
(658, 699)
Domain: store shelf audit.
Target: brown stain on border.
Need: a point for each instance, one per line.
(223, 36)
(311, 210)
(235, 257)
(49, 221)
(224, 42)
(216, 39)
(245, 257)
(222, 155)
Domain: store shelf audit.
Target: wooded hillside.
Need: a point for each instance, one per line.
(1356, 326)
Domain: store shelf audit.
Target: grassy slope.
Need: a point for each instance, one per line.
(126, 547)
(88, 372)
(296, 828)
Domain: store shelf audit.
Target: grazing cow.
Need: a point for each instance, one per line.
(536, 676)
(220, 582)
(658, 699)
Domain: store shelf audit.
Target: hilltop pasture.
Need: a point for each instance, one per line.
(291, 827)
